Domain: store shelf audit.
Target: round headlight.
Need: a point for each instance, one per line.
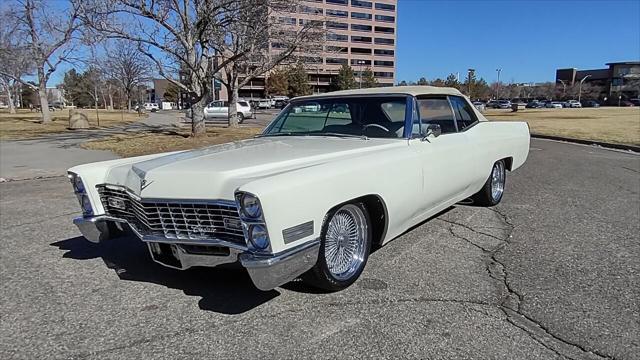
(250, 206)
(259, 237)
(86, 205)
(79, 185)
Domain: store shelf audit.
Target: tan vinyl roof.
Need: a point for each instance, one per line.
(401, 90)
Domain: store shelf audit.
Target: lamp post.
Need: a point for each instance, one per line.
(580, 87)
(360, 62)
(498, 84)
(470, 72)
(564, 87)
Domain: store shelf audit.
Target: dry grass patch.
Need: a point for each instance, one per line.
(27, 125)
(151, 143)
(607, 124)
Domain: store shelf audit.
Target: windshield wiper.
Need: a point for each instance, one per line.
(363, 137)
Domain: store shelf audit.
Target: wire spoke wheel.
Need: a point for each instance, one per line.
(497, 180)
(345, 242)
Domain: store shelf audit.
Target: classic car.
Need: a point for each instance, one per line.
(332, 176)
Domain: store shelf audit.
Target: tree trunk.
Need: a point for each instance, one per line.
(42, 93)
(232, 90)
(198, 127)
(12, 105)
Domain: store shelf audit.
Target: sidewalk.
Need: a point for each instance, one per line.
(54, 154)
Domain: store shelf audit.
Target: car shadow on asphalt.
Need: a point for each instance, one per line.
(225, 290)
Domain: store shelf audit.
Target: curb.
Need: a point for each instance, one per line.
(589, 142)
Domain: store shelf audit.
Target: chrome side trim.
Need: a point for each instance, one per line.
(270, 271)
(297, 232)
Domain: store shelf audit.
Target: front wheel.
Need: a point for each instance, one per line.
(344, 248)
(240, 118)
(493, 189)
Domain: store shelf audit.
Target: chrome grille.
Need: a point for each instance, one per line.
(172, 219)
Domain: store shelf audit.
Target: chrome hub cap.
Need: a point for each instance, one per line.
(497, 180)
(344, 245)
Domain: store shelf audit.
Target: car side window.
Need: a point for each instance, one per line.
(436, 110)
(463, 111)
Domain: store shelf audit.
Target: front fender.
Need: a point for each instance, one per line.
(297, 197)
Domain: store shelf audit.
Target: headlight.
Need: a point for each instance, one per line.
(78, 185)
(258, 236)
(85, 203)
(250, 206)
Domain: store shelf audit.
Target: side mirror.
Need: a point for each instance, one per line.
(432, 129)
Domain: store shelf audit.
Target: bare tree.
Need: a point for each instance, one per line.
(15, 62)
(48, 39)
(244, 49)
(176, 36)
(127, 67)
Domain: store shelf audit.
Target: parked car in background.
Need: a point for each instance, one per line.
(491, 104)
(503, 104)
(590, 103)
(573, 104)
(635, 102)
(314, 193)
(151, 107)
(553, 105)
(220, 110)
(263, 104)
(535, 104)
(281, 103)
(480, 106)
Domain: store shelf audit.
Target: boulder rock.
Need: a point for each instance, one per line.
(78, 120)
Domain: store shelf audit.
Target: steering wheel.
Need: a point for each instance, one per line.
(378, 126)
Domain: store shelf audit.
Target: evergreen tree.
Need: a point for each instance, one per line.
(298, 80)
(277, 83)
(452, 81)
(423, 81)
(438, 82)
(346, 79)
(368, 80)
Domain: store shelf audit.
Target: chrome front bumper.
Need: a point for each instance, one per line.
(267, 271)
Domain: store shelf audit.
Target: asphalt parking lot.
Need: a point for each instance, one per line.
(550, 273)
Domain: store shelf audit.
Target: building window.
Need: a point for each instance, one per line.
(336, 61)
(359, 62)
(361, 16)
(383, 74)
(312, 60)
(337, 49)
(383, 52)
(278, 45)
(337, 37)
(383, 63)
(361, 39)
(384, 41)
(387, 7)
(287, 20)
(362, 4)
(337, 25)
(358, 27)
(338, 2)
(311, 10)
(337, 13)
(360, 51)
(385, 30)
(385, 18)
(309, 21)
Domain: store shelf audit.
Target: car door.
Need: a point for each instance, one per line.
(444, 159)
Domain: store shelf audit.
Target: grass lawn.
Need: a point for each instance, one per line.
(26, 124)
(151, 143)
(608, 124)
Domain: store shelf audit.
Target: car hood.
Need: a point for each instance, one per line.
(216, 172)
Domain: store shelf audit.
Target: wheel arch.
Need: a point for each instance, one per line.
(378, 215)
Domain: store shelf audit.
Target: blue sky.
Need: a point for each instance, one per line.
(528, 40)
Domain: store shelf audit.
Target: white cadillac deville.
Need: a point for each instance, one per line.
(331, 176)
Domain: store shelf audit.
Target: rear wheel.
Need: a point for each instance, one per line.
(493, 189)
(240, 118)
(344, 248)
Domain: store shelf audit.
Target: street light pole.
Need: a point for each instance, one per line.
(564, 88)
(580, 87)
(469, 73)
(360, 62)
(498, 84)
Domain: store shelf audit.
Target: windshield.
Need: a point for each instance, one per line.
(376, 117)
